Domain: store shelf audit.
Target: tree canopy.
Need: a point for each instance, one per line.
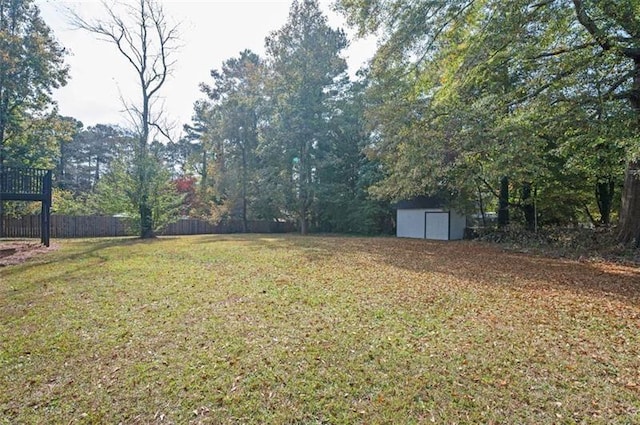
(545, 93)
(31, 66)
(282, 137)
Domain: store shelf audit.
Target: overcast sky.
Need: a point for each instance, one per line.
(212, 31)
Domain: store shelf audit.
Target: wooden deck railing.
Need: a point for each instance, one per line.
(23, 181)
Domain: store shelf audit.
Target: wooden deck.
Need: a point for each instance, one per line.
(29, 184)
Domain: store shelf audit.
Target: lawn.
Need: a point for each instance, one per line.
(290, 329)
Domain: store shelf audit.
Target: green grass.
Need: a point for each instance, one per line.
(289, 329)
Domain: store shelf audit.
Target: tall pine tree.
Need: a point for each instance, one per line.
(306, 67)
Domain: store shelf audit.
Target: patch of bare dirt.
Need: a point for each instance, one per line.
(18, 251)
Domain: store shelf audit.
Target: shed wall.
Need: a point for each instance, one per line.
(436, 224)
(410, 224)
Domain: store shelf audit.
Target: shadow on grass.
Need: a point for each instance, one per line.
(474, 262)
(83, 248)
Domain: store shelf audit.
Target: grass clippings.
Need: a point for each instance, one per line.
(288, 329)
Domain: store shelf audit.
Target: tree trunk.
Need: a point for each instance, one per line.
(96, 176)
(503, 202)
(146, 215)
(4, 98)
(146, 42)
(304, 223)
(305, 196)
(146, 221)
(2, 131)
(146, 212)
(245, 227)
(245, 224)
(3, 125)
(629, 227)
(62, 165)
(481, 206)
(205, 165)
(604, 196)
(528, 208)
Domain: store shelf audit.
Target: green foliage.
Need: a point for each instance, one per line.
(306, 69)
(31, 66)
(64, 202)
(235, 107)
(87, 156)
(282, 138)
(462, 93)
(121, 193)
(20, 208)
(345, 173)
(37, 140)
(115, 193)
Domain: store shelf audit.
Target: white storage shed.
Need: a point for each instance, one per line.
(425, 218)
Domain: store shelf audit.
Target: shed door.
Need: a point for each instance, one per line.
(436, 225)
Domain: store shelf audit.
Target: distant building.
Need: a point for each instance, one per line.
(426, 217)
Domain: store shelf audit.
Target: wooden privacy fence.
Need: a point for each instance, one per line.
(199, 227)
(63, 226)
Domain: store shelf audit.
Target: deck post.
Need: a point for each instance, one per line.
(46, 209)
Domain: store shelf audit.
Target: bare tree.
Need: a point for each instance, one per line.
(145, 38)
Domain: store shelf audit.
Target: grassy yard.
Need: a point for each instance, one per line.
(289, 329)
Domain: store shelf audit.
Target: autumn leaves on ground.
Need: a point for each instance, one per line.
(290, 329)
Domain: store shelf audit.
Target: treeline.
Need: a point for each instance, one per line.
(525, 108)
(283, 136)
(277, 138)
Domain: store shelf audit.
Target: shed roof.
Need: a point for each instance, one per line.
(420, 202)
